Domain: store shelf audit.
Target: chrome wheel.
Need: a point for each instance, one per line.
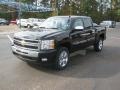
(63, 59)
(28, 26)
(100, 44)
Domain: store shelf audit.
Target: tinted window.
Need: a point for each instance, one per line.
(78, 22)
(87, 23)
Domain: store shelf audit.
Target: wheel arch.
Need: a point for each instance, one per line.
(102, 36)
(67, 45)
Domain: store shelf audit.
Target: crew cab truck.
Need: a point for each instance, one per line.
(56, 39)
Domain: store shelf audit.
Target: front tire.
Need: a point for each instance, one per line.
(28, 26)
(98, 46)
(62, 59)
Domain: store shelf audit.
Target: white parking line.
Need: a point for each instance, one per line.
(11, 40)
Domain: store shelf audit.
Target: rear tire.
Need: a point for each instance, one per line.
(62, 59)
(98, 46)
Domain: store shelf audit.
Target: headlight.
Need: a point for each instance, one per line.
(47, 44)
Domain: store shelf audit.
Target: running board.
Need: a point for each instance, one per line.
(80, 52)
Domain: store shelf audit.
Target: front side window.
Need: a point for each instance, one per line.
(87, 23)
(78, 22)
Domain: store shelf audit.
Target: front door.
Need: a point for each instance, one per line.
(90, 31)
(78, 37)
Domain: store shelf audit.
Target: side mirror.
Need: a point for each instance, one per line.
(79, 28)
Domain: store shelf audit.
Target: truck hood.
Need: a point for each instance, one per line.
(37, 34)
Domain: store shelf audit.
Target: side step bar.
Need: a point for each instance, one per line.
(80, 52)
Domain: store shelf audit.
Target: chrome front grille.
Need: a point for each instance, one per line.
(26, 44)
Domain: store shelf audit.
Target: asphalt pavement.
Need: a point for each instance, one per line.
(93, 71)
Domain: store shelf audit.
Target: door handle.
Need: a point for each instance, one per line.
(85, 34)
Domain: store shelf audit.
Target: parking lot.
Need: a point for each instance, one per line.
(93, 71)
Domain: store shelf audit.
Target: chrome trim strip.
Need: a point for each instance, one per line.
(93, 38)
(85, 34)
(79, 42)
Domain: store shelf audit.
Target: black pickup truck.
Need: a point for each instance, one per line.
(56, 39)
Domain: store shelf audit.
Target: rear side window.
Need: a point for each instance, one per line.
(87, 22)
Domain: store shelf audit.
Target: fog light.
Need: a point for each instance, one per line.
(44, 59)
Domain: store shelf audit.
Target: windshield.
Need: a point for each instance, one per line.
(56, 23)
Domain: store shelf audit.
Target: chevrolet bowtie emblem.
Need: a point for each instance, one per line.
(23, 42)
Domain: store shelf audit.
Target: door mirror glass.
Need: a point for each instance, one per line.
(79, 28)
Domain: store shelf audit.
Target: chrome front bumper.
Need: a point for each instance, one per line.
(28, 53)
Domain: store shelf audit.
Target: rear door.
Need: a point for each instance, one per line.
(90, 31)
